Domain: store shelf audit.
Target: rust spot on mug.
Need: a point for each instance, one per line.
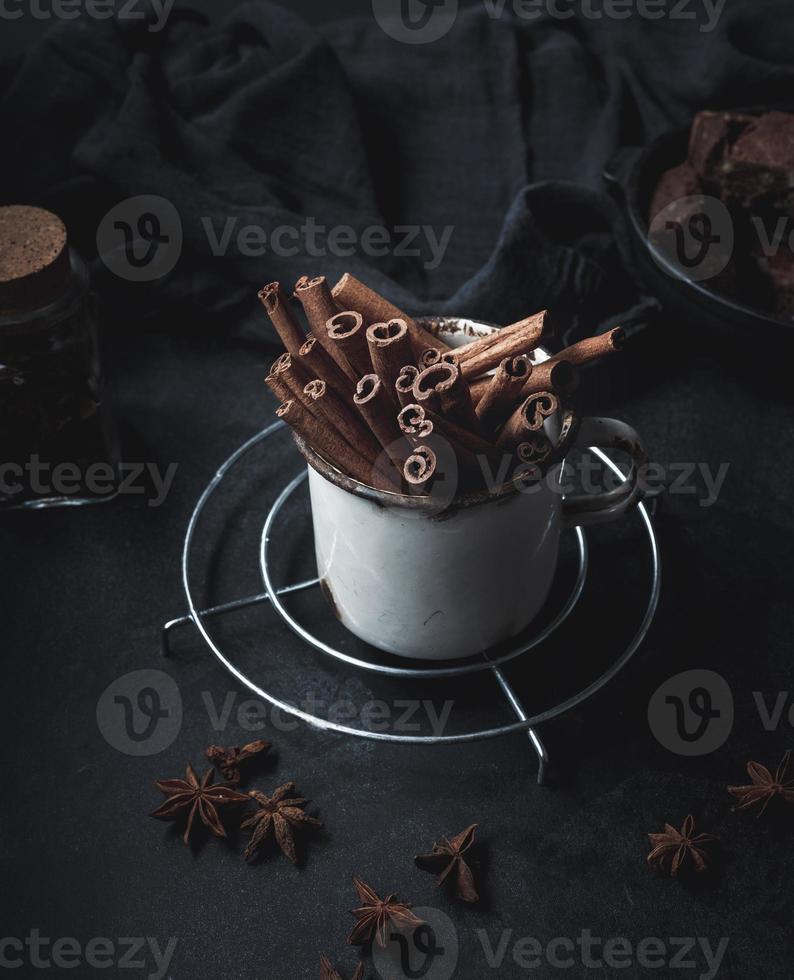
(329, 597)
(633, 449)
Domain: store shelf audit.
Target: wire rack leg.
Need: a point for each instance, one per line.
(534, 738)
(233, 606)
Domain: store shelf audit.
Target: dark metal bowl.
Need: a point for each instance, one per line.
(634, 174)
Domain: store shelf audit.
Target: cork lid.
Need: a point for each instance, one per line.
(34, 259)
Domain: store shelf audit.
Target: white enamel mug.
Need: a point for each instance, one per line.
(439, 582)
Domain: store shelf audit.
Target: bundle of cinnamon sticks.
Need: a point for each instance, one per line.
(383, 400)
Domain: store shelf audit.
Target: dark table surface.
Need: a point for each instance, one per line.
(85, 593)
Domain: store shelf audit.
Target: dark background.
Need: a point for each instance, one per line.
(86, 592)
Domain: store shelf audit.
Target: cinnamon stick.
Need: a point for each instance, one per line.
(478, 387)
(404, 385)
(278, 384)
(377, 408)
(543, 376)
(414, 420)
(443, 388)
(423, 427)
(343, 417)
(315, 362)
(593, 348)
(414, 423)
(346, 330)
(420, 468)
(351, 294)
(329, 443)
(318, 304)
(420, 422)
(276, 304)
(559, 376)
(528, 419)
(429, 357)
(314, 295)
(484, 354)
(533, 451)
(504, 391)
(390, 350)
(287, 382)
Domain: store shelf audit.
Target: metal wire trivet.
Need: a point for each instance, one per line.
(484, 662)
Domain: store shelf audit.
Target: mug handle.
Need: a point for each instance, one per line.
(583, 510)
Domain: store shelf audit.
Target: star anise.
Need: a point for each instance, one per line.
(376, 914)
(673, 849)
(228, 759)
(765, 787)
(280, 813)
(446, 861)
(202, 798)
(327, 971)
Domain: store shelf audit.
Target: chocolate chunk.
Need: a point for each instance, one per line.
(676, 184)
(760, 165)
(747, 162)
(680, 213)
(768, 143)
(713, 134)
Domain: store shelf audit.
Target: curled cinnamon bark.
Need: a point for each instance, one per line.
(423, 427)
(424, 390)
(316, 299)
(377, 409)
(276, 304)
(343, 417)
(420, 468)
(276, 382)
(593, 348)
(414, 423)
(484, 354)
(442, 388)
(286, 381)
(429, 357)
(504, 391)
(528, 419)
(351, 294)
(319, 306)
(404, 385)
(330, 444)
(315, 362)
(346, 331)
(389, 350)
(535, 450)
(416, 420)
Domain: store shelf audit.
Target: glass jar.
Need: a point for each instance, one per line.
(58, 439)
